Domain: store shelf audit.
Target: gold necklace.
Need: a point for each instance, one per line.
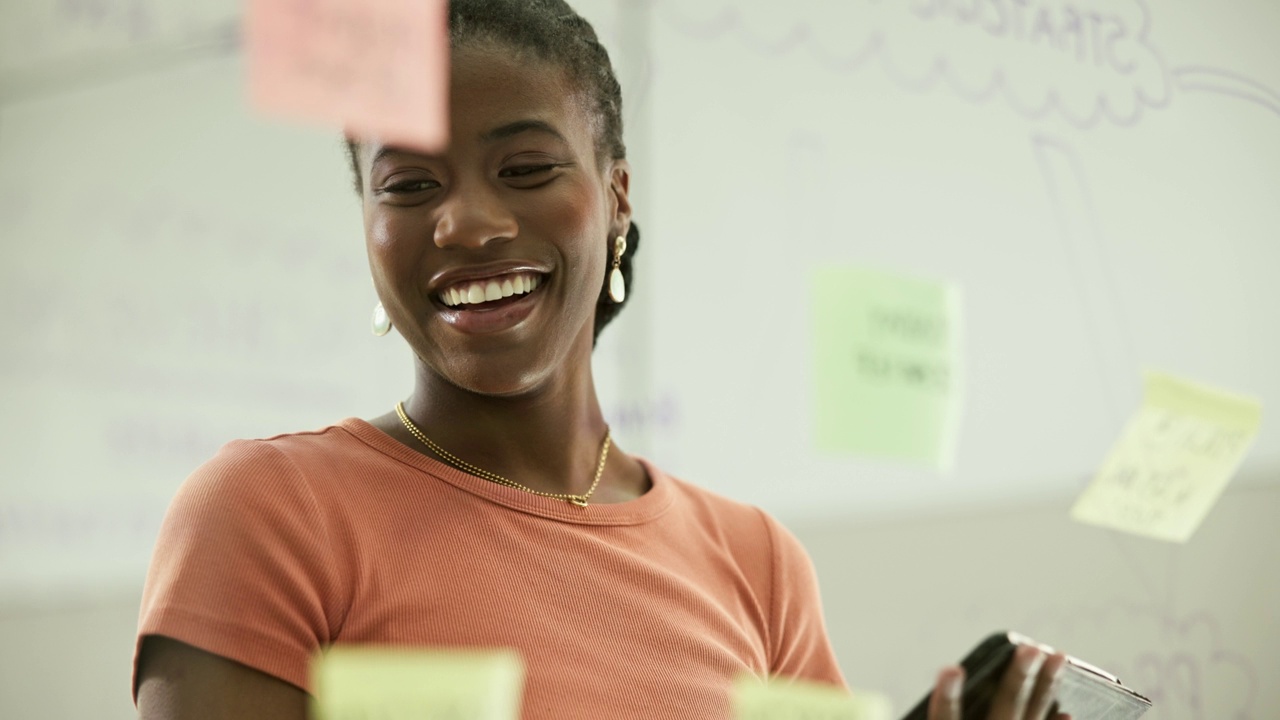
(459, 463)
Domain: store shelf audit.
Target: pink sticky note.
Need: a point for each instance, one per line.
(377, 68)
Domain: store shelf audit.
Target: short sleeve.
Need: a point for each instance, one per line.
(800, 646)
(243, 566)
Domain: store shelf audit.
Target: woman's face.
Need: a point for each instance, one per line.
(490, 255)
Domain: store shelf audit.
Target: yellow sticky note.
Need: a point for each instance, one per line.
(360, 681)
(798, 700)
(1172, 462)
(377, 68)
(886, 365)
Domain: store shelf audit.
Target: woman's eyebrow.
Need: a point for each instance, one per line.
(386, 150)
(501, 132)
(511, 129)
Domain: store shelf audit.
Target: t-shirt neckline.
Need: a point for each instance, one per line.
(632, 512)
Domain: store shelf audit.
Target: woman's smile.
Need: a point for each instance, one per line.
(493, 303)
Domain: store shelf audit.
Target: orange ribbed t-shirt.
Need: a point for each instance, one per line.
(277, 548)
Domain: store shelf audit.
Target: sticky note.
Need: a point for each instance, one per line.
(360, 681)
(799, 700)
(886, 365)
(376, 68)
(1173, 460)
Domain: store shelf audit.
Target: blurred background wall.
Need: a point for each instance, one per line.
(178, 272)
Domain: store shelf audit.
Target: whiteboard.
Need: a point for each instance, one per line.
(1104, 196)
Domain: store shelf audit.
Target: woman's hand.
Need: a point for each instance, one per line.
(1026, 691)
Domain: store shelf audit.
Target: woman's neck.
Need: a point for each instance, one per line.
(548, 439)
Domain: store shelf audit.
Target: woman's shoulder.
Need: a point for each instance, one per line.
(745, 525)
(761, 546)
(338, 438)
(700, 499)
(290, 462)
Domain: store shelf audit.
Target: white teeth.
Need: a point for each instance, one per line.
(469, 293)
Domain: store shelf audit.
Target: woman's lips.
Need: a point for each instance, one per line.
(486, 318)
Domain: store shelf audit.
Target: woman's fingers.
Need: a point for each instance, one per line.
(1046, 687)
(944, 703)
(1027, 690)
(1010, 701)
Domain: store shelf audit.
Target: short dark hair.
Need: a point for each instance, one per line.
(552, 31)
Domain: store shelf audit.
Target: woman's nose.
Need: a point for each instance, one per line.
(473, 218)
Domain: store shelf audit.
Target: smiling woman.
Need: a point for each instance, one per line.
(490, 507)
(522, 192)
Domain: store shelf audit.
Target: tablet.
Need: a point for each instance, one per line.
(1085, 692)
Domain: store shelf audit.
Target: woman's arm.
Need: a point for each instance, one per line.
(243, 570)
(179, 682)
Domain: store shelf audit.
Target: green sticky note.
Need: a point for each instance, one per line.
(362, 682)
(1173, 460)
(886, 365)
(798, 700)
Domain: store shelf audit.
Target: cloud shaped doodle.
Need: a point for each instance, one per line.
(1085, 61)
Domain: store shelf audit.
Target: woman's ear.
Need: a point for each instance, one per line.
(619, 200)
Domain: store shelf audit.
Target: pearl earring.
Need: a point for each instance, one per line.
(617, 284)
(381, 321)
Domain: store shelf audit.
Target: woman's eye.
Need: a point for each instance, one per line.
(411, 186)
(526, 170)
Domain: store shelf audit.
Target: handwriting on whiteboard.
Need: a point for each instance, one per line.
(127, 521)
(660, 412)
(1086, 61)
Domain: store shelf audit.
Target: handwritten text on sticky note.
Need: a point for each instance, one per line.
(377, 68)
(886, 365)
(797, 700)
(360, 682)
(1172, 462)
